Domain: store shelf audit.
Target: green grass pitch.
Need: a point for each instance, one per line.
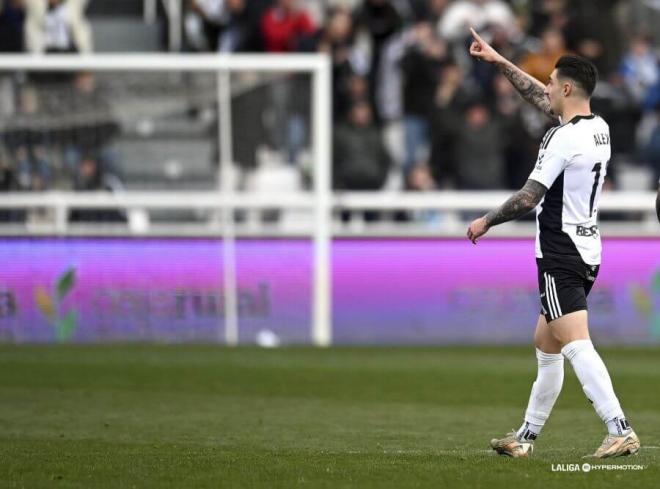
(204, 416)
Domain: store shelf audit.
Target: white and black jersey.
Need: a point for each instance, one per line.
(572, 164)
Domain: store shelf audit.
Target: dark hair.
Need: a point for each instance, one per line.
(580, 70)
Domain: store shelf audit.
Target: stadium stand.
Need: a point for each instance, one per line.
(406, 59)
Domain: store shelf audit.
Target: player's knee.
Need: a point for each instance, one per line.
(545, 341)
(570, 327)
(547, 345)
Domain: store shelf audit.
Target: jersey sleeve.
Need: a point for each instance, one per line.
(552, 160)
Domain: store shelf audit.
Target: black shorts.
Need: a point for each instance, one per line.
(564, 284)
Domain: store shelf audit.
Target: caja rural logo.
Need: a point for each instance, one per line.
(50, 305)
(646, 303)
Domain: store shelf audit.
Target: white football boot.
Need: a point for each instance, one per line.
(511, 446)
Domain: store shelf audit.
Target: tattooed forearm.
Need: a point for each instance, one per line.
(518, 204)
(530, 88)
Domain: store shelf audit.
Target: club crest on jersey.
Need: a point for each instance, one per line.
(539, 162)
(601, 139)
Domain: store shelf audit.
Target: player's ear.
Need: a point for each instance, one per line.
(567, 89)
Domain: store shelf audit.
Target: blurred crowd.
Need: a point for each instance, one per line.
(411, 109)
(408, 100)
(34, 147)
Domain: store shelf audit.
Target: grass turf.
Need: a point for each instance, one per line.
(201, 416)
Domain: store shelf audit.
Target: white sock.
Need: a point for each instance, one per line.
(545, 390)
(596, 383)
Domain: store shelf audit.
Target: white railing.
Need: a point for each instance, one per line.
(138, 204)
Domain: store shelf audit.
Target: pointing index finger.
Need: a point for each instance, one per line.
(475, 35)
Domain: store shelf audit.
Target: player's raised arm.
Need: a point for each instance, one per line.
(532, 90)
(519, 204)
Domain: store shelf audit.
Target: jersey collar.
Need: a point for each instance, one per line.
(577, 118)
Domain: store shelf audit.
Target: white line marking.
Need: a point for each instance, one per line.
(548, 297)
(554, 286)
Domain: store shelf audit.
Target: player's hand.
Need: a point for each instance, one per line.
(480, 49)
(477, 228)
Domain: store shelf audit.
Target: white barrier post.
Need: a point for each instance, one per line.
(322, 171)
(226, 175)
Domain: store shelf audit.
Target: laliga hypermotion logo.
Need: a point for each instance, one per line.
(644, 303)
(50, 304)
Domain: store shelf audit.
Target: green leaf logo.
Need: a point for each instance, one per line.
(65, 327)
(65, 283)
(50, 305)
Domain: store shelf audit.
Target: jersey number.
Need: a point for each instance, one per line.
(597, 167)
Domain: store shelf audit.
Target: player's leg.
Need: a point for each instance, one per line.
(548, 383)
(571, 329)
(544, 339)
(545, 390)
(572, 332)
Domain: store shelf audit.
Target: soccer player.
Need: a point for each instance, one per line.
(564, 187)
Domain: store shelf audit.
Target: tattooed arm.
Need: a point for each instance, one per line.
(517, 206)
(529, 87)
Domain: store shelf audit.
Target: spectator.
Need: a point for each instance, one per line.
(28, 142)
(91, 177)
(541, 63)
(421, 66)
(251, 16)
(337, 41)
(420, 178)
(8, 183)
(639, 69)
(352, 89)
(285, 26)
(593, 34)
(479, 151)
(520, 145)
(57, 26)
(453, 93)
(360, 161)
(642, 16)
(92, 129)
(203, 23)
(217, 25)
(34, 169)
(236, 31)
(651, 147)
(613, 101)
(382, 21)
(12, 18)
(8, 180)
(435, 9)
